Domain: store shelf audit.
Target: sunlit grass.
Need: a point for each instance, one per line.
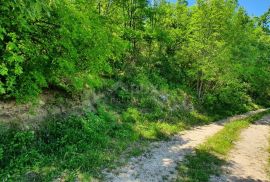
(222, 142)
(158, 130)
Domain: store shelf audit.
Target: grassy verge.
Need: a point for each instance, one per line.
(210, 156)
(79, 147)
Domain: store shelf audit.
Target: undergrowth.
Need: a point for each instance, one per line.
(81, 146)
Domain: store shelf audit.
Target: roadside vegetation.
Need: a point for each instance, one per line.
(210, 156)
(78, 147)
(162, 67)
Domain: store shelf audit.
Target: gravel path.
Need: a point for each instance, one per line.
(159, 164)
(248, 160)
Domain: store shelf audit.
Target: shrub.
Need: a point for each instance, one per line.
(52, 43)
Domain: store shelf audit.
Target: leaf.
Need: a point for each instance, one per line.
(18, 70)
(3, 70)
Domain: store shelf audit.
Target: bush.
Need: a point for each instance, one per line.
(52, 43)
(1, 153)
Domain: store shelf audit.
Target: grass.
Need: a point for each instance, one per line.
(223, 141)
(81, 146)
(210, 156)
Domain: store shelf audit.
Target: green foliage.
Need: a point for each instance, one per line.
(209, 48)
(79, 146)
(72, 145)
(174, 63)
(1, 153)
(60, 43)
(213, 50)
(131, 115)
